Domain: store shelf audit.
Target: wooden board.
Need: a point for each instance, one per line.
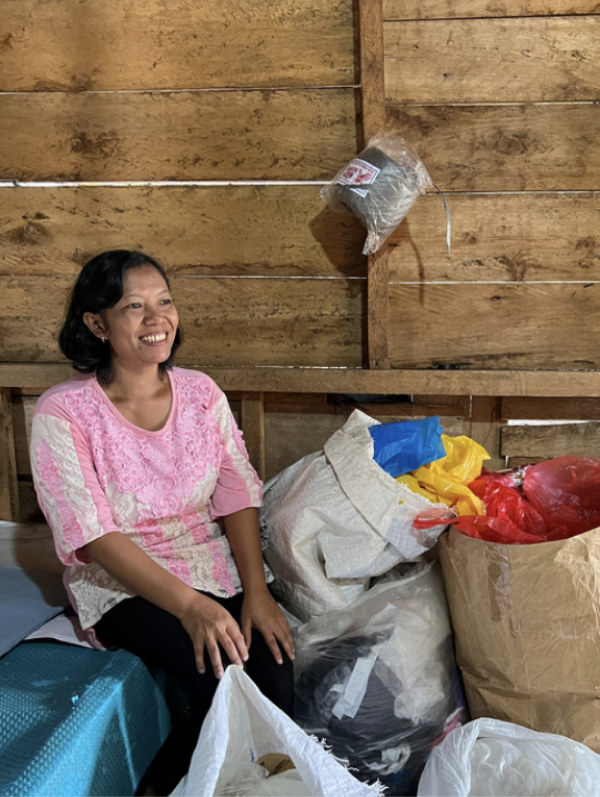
(9, 497)
(559, 409)
(504, 148)
(232, 321)
(40, 376)
(455, 9)
(149, 44)
(506, 237)
(495, 326)
(290, 437)
(581, 439)
(213, 135)
(534, 59)
(269, 230)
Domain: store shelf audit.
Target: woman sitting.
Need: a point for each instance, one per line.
(138, 466)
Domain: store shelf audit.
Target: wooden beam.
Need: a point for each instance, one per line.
(354, 380)
(456, 9)
(372, 112)
(377, 309)
(9, 488)
(576, 439)
(252, 422)
(372, 90)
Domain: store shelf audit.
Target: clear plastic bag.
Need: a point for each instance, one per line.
(490, 757)
(379, 186)
(378, 680)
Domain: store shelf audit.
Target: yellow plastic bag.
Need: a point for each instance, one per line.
(445, 480)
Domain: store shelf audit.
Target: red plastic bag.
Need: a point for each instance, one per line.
(566, 493)
(509, 517)
(553, 500)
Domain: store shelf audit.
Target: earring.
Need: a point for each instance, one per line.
(103, 339)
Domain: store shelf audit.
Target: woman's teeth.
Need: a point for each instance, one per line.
(154, 338)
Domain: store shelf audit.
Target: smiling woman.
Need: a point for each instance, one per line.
(134, 462)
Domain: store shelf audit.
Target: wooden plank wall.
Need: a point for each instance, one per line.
(503, 109)
(201, 132)
(260, 96)
(500, 99)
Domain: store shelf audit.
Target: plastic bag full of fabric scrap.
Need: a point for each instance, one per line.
(336, 519)
(378, 680)
(243, 726)
(379, 186)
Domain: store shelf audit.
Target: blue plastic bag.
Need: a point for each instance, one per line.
(405, 446)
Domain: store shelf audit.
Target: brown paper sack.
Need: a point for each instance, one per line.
(527, 625)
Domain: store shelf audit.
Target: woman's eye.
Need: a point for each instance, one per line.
(134, 305)
(167, 301)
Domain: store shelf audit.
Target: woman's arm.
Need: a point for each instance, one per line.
(205, 620)
(259, 610)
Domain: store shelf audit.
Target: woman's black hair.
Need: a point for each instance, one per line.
(99, 287)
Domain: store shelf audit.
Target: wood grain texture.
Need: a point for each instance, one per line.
(536, 59)
(40, 376)
(504, 148)
(582, 440)
(269, 230)
(559, 409)
(252, 423)
(377, 309)
(485, 428)
(372, 88)
(230, 321)
(214, 135)
(513, 237)
(456, 9)
(495, 326)
(9, 494)
(149, 44)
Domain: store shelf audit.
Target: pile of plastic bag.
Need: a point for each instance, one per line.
(347, 531)
(553, 500)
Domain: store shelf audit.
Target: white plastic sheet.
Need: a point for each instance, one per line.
(241, 726)
(335, 519)
(489, 757)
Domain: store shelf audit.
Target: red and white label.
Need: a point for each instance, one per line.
(358, 172)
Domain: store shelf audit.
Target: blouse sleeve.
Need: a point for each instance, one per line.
(66, 483)
(238, 486)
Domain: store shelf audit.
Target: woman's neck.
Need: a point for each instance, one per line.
(144, 398)
(129, 385)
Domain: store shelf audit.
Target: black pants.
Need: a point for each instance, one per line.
(159, 639)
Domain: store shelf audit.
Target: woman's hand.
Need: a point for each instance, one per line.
(260, 611)
(210, 625)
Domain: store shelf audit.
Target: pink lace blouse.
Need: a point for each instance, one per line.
(96, 473)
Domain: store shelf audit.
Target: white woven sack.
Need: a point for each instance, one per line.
(492, 757)
(335, 519)
(241, 726)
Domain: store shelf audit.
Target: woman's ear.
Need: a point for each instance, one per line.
(95, 324)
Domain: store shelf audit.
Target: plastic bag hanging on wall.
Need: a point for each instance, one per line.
(379, 186)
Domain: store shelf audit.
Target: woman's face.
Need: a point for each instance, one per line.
(141, 327)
